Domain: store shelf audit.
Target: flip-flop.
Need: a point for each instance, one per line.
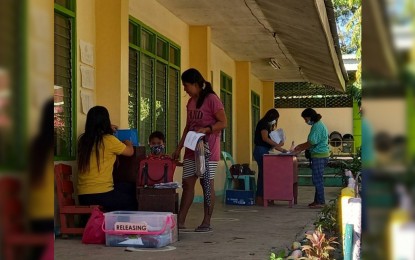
(203, 229)
(317, 206)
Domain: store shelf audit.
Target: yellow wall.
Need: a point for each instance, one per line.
(220, 61)
(85, 21)
(267, 98)
(242, 99)
(336, 119)
(256, 85)
(112, 58)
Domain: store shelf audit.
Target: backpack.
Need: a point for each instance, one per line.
(240, 169)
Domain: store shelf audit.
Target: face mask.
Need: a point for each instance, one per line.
(157, 149)
(272, 122)
(309, 122)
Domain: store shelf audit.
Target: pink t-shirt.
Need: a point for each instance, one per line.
(202, 117)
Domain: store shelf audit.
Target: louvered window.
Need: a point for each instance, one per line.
(226, 97)
(64, 89)
(154, 81)
(255, 108)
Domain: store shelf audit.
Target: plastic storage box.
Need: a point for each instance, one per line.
(140, 229)
(128, 134)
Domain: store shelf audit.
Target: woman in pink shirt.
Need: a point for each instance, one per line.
(205, 114)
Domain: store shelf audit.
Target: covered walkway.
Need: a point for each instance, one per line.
(239, 233)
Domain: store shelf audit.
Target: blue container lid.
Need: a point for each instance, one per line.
(127, 134)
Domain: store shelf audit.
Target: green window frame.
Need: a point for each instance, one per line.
(13, 88)
(256, 114)
(226, 97)
(65, 80)
(154, 84)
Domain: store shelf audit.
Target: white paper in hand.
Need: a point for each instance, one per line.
(191, 139)
(277, 136)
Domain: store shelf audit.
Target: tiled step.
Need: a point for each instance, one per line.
(330, 180)
(332, 177)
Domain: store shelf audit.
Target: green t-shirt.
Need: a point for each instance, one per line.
(319, 139)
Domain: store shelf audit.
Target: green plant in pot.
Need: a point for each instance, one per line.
(354, 165)
(319, 246)
(327, 218)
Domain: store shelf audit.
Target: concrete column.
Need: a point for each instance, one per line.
(267, 99)
(199, 49)
(242, 99)
(112, 58)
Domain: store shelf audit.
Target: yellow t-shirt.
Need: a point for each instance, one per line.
(41, 197)
(101, 181)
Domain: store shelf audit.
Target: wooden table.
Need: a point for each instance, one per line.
(126, 167)
(280, 178)
(158, 200)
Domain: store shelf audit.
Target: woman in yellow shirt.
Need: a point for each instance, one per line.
(97, 152)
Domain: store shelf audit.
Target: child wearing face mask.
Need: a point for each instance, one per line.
(156, 142)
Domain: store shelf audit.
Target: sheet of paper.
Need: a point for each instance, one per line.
(191, 139)
(287, 153)
(277, 136)
(87, 101)
(87, 77)
(87, 53)
(276, 152)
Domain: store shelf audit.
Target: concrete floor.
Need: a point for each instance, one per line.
(239, 232)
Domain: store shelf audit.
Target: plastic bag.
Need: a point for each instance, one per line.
(48, 253)
(93, 233)
(200, 158)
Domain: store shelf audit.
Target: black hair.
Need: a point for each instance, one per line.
(41, 148)
(193, 76)
(97, 125)
(157, 134)
(270, 116)
(312, 114)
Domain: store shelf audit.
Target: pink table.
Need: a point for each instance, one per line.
(280, 178)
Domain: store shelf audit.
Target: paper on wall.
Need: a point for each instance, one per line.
(87, 101)
(87, 77)
(277, 136)
(191, 139)
(87, 53)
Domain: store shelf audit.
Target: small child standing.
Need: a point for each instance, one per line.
(156, 142)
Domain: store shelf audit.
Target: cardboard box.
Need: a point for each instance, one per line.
(240, 197)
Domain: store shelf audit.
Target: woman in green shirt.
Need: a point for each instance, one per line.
(317, 144)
